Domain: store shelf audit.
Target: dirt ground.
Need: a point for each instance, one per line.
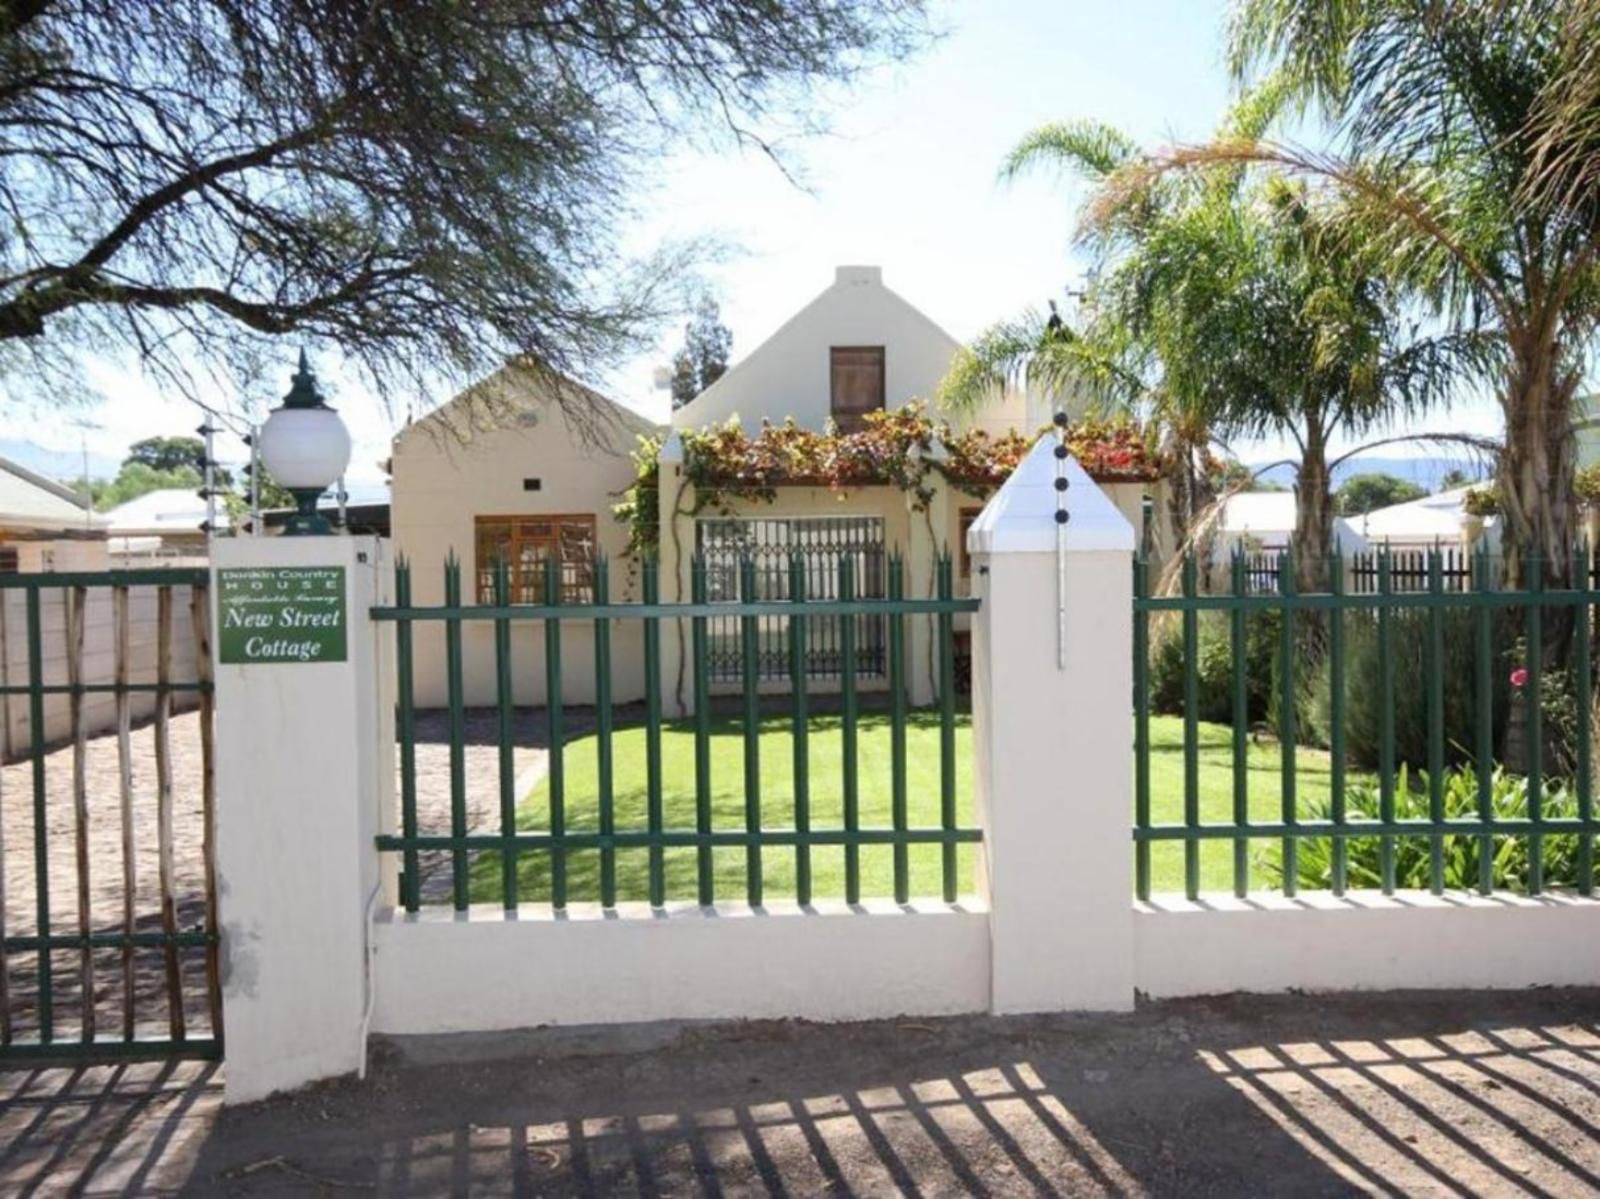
(1416, 1093)
(18, 888)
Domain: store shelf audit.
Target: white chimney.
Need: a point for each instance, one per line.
(860, 276)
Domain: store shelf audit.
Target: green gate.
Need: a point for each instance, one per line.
(108, 922)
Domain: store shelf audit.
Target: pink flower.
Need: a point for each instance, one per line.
(1519, 677)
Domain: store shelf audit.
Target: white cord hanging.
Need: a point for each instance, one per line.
(1062, 517)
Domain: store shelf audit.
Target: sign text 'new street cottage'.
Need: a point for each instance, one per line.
(281, 614)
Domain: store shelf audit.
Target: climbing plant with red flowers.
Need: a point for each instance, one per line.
(905, 448)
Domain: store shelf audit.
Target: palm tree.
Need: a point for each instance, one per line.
(1105, 365)
(1239, 304)
(1469, 153)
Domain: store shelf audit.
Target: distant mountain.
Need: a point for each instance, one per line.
(1426, 473)
(66, 466)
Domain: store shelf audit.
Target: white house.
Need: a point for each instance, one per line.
(857, 347)
(1423, 523)
(1264, 521)
(502, 472)
(166, 523)
(45, 525)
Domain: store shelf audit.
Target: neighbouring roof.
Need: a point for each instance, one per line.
(1259, 513)
(168, 510)
(1426, 519)
(1268, 517)
(28, 500)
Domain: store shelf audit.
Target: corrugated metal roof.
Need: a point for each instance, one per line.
(169, 510)
(32, 501)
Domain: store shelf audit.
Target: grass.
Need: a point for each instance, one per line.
(1263, 769)
(826, 784)
(727, 801)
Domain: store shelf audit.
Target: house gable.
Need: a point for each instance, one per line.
(789, 374)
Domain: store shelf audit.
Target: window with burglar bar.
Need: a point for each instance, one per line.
(524, 543)
(821, 543)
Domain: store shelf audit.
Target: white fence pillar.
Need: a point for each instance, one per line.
(305, 759)
(1054, 740)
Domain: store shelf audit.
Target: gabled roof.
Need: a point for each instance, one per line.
(519, 395)
(849, 282)
(31, 501)
(167, 510)
(1432, 516)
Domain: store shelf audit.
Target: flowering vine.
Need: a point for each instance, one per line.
(903, 448)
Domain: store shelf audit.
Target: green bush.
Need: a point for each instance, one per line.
(1509, 793)
(1363, 710)
(1215, 667)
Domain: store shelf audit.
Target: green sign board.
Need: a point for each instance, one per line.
(281, 614)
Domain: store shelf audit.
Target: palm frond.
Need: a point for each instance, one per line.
(1087, 148)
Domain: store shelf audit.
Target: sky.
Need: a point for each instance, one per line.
(904, 180)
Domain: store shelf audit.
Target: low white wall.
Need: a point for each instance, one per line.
(439, 971)
(1365, 941)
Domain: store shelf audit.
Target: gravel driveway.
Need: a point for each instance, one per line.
(17, 861)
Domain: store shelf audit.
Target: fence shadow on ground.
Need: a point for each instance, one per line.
(105, 1129)
(1296, 1095)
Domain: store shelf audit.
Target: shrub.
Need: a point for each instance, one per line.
(1509, 796)
(1363, 710)
(1586, 485)
(1482, 501)
(1215, 667)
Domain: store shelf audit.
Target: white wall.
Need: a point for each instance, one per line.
(305, 770)
(788, 375)
(1364, 942)
(829, 962)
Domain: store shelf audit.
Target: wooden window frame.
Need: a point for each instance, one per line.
(527, 577)
(849, 420)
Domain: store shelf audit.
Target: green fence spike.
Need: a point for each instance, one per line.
(800, 724)
(1141, 723)
(460, 883)
(749, 653)
(603, 748)
(555, 718)
(705, 872)
(1336, 721)
(405, 684)
(1191, 730)
(654, 815)
(848, 732)
(945, 635)
(897, 731)
(506, 730)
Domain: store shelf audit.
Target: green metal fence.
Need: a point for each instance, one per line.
(761, 827)
(1510, 814)
(111, 960)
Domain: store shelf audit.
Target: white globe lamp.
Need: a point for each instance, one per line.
(305, 447)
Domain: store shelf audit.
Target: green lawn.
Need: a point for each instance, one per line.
(1263, 767)
(826, 781)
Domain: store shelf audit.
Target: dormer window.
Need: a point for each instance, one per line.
(856, 373)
